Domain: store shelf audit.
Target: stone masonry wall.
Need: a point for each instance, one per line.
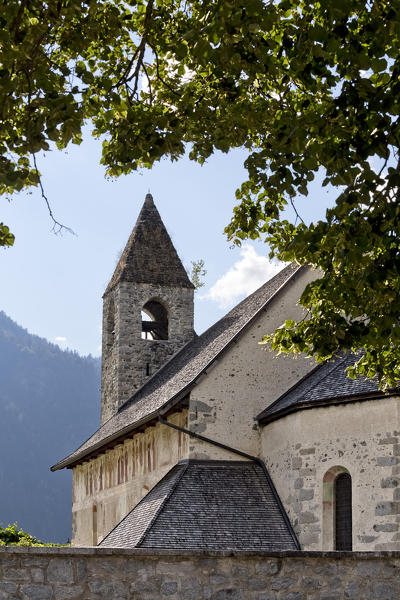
(98, 574)
(127, 359)
(305, 451)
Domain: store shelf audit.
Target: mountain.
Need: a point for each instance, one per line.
(49, 405)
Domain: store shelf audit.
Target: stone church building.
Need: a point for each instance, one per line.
(210, 442)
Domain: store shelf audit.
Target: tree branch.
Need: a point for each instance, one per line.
(295, 210)
(139, 52)
(57, 226)
(171, 89)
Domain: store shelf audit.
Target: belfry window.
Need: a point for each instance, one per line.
(154, 321)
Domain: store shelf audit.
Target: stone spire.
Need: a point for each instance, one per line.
(147, 311)
(149, 255)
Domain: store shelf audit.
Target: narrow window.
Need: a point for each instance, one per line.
(154, 321)
(110, 325)
(337, 512)
(343, 516)
(147, 369)
(94, 524)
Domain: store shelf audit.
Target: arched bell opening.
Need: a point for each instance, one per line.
(337, 510)
(154, 321)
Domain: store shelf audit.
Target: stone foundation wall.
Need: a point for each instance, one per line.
(93, 573)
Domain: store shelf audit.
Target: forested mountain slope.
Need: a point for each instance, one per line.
(49, 404)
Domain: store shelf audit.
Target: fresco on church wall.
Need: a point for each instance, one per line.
(109, 486)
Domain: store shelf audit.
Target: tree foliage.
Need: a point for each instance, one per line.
(12, 535)
(198, 273)
(6, 238)
(305, 87)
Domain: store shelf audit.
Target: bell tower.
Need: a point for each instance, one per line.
(147, 311)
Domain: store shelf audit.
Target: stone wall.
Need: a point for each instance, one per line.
(98, 574)
(106, 488)
(361, 438)
(128, 360)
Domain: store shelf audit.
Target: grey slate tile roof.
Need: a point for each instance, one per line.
(175, 379)
(149, 255)
(326, 384)
(209, 505)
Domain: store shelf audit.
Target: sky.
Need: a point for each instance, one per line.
(53, 284)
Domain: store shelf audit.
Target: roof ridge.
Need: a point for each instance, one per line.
(198, 338)
(205, 351)
(257, 291)
(183, 470)
(206, 508)
(142, 501)
(302, 380)
(131, 400)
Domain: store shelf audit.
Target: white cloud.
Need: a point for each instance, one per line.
(60, 340)
(246, 275)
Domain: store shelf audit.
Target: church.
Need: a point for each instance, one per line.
(211, 442)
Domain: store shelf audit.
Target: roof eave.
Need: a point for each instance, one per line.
(325, 403)
(121, 433)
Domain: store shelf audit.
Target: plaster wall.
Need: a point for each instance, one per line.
(247, 379)
(106, 488)
(362, 438)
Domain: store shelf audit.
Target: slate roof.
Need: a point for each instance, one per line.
(324, 385)
(173, 381)
(149, 255)
(210, 505)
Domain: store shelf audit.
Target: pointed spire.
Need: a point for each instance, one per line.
(149, 255)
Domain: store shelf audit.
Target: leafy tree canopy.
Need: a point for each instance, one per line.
(303, 86)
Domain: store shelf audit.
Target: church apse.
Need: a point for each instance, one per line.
(308, 450)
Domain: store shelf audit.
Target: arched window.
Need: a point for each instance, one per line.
(337, 529)
(154, 321)
(343, 517)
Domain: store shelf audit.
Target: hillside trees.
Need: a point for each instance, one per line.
(304, 87)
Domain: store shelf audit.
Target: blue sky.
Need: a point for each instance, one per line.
(53, 284)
